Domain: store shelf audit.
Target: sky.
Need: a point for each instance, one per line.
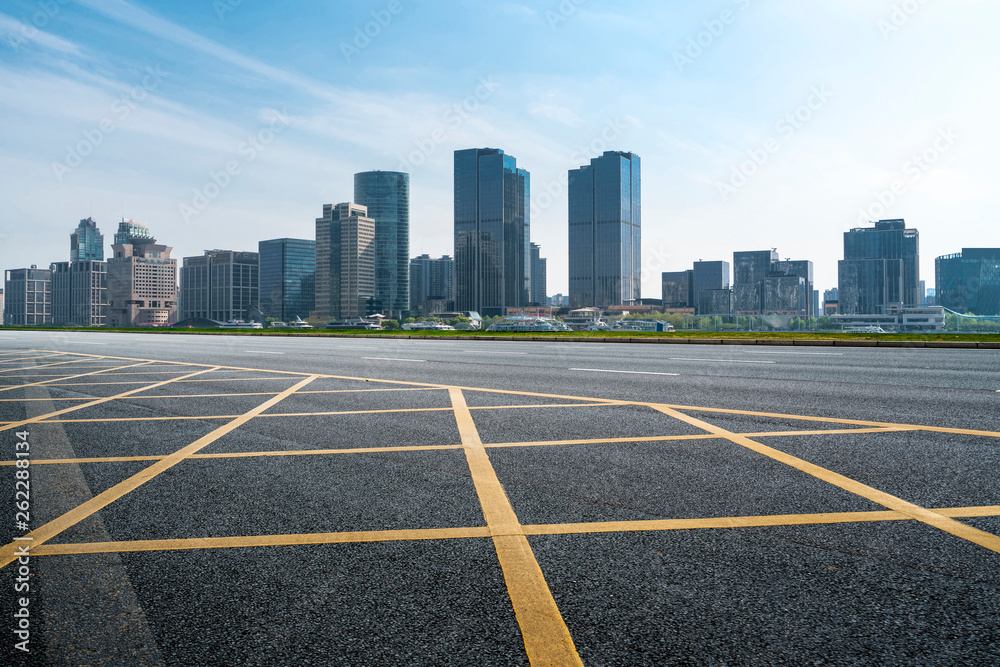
(760, 123)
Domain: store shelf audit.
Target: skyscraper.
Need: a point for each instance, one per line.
(386, 195)
(345, 261)
(142, 279)
(287, 278)
(432, 280)
(605, 224)
(969, 281)
(539, 276)
(86, 244)
(750, 269)
(492, 232)
(767, 285)
(133, 232)
(880, 270)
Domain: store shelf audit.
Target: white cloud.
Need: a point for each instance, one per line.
(18, 34)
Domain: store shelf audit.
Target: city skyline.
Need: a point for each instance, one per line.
(184, 117)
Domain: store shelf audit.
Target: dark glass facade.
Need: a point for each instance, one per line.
(86, 244)
(287, 278)
(492, 232)
(678, 289)
(605, 231)
(880, 269)
(711, 275)
(386, 195)
(969, 281)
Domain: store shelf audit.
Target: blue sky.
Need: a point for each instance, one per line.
(760, 123)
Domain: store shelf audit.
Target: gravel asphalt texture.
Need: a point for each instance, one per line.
(863, 591)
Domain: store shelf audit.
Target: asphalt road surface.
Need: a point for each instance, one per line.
(233, 500)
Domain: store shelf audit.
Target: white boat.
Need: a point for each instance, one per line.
(240, 324)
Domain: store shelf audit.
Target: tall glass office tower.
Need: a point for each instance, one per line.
(492, 231)
(880, 269)
(386, 195)
(605, 231)
(287, 278)
(86, 244)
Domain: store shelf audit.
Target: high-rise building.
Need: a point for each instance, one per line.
(706, 276)
(539, 276)
(605, 231)
(492, 232)
(142, 279)
(678, 289)
(345, 262)
(880, 271)
(767, 285)
(80, 293)
(86, 244)
(750, 269)
(220, 285)
(432, 280)
(27, 297)
(1, 307)
(287, 278)
(133, 232)
(386, 195)
(969, 281)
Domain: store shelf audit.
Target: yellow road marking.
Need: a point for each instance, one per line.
(948, 525)
(835, 420)
(368, 450)
(98, 401)
(260, 541)
(51, 529)
(719, 522)
(43, 356)
(248, 455)
(970, 512)
(600, 441)
(76, 548)
(547, 640)
(70, 377)
(833, 431)
(30, 368)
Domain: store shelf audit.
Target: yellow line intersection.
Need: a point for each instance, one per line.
(546, 636)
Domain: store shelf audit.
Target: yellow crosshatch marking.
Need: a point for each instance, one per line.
(546, 636)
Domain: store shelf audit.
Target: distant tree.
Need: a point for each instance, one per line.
(390, 324)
